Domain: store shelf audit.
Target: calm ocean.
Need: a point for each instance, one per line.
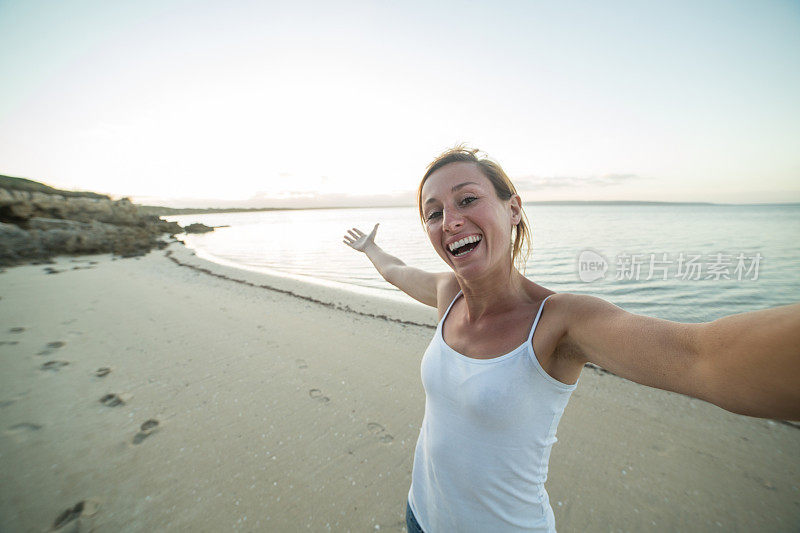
(689, 263)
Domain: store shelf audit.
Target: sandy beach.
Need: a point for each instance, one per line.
(168, 393)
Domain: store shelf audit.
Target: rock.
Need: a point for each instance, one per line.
(197, 228)
(17, 245)
(38, 222)
(172, 228)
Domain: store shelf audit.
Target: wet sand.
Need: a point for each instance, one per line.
(167, 393)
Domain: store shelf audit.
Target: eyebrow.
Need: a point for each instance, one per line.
(454, 189)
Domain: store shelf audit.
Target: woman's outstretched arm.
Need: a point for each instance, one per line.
(420, 285)
(747, 363)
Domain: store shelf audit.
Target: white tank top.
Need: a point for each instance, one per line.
(481, 458)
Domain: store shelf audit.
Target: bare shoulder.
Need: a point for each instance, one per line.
(574, 311)
(564, 313)
(579, 301)
(446, 289)
(558, 355)
(573, 308)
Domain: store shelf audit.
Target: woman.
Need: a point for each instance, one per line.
(508, 353)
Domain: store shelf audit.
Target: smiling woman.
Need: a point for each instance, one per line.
(503, 189)
(500, 370)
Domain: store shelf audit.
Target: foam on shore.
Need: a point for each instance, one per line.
(388, 308)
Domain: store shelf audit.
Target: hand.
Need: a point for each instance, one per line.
(358, 240)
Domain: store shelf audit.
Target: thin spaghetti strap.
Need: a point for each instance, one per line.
(536, 321)
(450, 307)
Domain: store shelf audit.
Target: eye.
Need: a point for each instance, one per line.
(468, 200)
(433, 214)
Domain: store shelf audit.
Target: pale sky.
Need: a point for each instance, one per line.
(308, 103)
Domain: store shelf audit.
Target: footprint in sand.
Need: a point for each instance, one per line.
(55, 366)
(301, 363)
(24, 426)
(68, 515)
(10, 343)
(378, 430)
(55, 345)
(11, 400)
(102, 372)
(112, 400)
(317, 395)
(85, 508)
(663, 450)
(149, 425)
(145, 430)
(21, 432)
(17, 330)
(50, 270)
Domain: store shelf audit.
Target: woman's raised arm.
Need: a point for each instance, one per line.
(420, 285)
(747, 363)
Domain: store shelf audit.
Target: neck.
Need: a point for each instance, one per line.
(493, 293)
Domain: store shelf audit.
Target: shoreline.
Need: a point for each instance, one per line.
(298, 408)
(330, 296)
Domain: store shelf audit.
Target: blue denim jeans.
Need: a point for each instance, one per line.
(411, 522)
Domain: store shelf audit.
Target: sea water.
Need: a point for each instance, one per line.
(683, 262)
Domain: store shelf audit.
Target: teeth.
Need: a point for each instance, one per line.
(465, 240)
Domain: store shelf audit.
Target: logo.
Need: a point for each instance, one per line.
(591, 266)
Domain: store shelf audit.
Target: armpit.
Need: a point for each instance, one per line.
(568, 351)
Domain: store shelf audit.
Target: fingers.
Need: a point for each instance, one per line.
(351, 238)
(353, 235)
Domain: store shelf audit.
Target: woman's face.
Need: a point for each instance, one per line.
(468, 225)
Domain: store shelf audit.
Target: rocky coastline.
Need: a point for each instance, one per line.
(38, 222)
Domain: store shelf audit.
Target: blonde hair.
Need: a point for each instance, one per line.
(503, 188)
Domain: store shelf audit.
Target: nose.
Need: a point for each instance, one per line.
(452, 220)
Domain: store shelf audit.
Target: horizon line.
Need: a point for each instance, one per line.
(53, 190)
(189, 210)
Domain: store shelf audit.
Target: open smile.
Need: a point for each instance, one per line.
(464, 246)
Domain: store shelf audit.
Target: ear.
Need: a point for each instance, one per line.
(515, 204)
